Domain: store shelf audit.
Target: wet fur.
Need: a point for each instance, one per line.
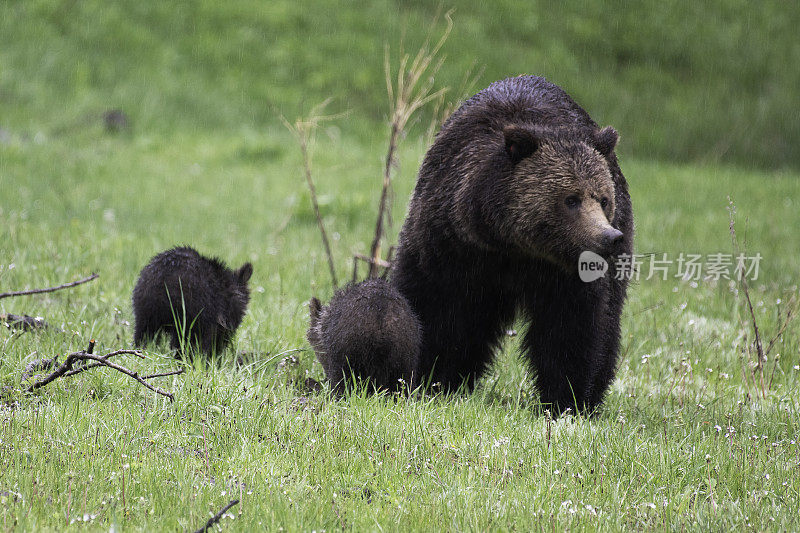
(367, 332)
(215, 299)
(487, 240)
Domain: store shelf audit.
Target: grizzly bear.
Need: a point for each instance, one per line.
(518, 182)
(196, 300)
(367, 333)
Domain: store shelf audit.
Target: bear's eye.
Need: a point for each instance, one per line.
(572, 201)
(603, 202)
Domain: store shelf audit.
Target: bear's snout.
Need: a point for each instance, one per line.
(610, 239)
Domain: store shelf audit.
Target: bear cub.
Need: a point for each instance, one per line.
(367, 332)
(200, 295)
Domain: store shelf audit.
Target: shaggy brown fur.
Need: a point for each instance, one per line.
(519, 181)
(200, 295)
(367, 332)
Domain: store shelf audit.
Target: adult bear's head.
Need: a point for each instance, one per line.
(555, 196)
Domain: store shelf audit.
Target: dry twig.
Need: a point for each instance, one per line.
(783, 322)
(443, 109)
(746, 290)
(67, 369)
(304, 131)
(406, 96)
(162, 374)
(49, 289)
(371, 261)
(217, 517)
(24, 322)
(791, 313)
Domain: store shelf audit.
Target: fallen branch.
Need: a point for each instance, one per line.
(162, 374)
(49, 289)
(39, 365)
(217, 517)
(24, 322)
(66, 368)
(106, 356)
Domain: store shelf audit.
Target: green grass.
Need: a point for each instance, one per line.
(685, 441)
(305, 461)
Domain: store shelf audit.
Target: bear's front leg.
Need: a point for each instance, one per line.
(609, 353)
(564, 342)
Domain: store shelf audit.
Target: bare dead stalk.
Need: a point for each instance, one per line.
(304, 131)
(49, 289)
(783, 322)
(66, 368)
(342, 522)
(746, 290)
(313, 191)
(217, 517)
(385, 264)
(371, 261)
(406, 96)
(791, 313)
(443, 109)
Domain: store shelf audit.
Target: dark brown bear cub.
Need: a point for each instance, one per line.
(194, 299)
(519, 181)
(367, 332)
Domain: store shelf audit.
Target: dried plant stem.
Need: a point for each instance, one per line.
(313, 191)
(304, 131)
(406, 96)
(746, 290)
(758, 344)
(783, 322)
(49, 289)
(442, 110)
(374, 251)
(385, 264)
(791, 313)
(367, 259)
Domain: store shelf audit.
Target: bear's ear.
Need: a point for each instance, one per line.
(314, 309)
(605, 140)
(244, 273)
(520, 143)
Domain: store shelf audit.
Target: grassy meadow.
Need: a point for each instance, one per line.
(692, 437)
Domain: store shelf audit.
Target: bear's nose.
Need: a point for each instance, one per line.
(611, 237)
